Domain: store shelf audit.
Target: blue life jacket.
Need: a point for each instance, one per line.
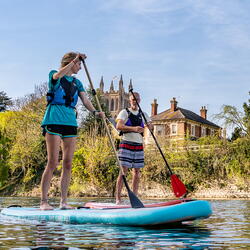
(133, 120)
(66, 94)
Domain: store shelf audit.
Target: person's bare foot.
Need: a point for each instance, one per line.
(45, 206)
(64, 206)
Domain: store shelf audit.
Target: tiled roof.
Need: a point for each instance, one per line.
(181, 113)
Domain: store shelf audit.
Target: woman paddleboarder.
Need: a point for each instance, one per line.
(60, 125)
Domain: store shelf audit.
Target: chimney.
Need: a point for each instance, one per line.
(173, 105)
(203, 112)
(154, 107)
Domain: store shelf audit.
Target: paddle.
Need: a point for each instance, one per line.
(177, 186)
(134, 200)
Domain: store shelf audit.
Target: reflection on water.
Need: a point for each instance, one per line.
(100, 236)
(228, 227)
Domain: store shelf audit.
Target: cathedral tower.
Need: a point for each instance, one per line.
(115, 100)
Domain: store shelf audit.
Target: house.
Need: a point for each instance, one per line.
(177, 123)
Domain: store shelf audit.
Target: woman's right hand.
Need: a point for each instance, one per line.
(82, 56)
(79, 57)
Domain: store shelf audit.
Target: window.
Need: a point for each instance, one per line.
(112, 108)
(203, 131)
(159, 130)
(193, 130)
(174, 129)
(212, 131)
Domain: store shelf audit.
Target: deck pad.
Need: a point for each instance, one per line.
(113, 205)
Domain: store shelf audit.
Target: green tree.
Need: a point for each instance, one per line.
(90, 123)
(246, 118)
(26, 152)
(5, 101)
(239, 121)
(237, 133)
(5, 144)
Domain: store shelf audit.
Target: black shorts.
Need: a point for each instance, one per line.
(62, 130)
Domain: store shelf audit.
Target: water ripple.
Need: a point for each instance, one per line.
(228, 228)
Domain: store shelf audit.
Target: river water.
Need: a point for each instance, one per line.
(227, 228)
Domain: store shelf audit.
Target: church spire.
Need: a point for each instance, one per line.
(111, 89)
(121, 84)
(101, 85)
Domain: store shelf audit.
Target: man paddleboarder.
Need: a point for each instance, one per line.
(131, 153)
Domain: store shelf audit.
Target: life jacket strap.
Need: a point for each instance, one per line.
(49, 96)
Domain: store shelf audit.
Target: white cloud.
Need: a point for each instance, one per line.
(145, 6)
(225, 22)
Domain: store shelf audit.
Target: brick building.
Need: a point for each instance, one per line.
(176, 123)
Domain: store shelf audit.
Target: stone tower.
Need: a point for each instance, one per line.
(115, 100)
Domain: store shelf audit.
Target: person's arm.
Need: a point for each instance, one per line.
(87, 103)
(122, 127)
(63, 71)
(66, 69)
(148, 122)
(150, 126)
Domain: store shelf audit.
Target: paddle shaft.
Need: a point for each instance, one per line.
(156, 142)
(103, 118)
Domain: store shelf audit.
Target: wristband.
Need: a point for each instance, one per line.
(94, 112)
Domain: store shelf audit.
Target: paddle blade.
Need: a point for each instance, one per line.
(177, 186)
(134, 200)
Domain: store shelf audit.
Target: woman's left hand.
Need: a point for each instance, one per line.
(101, 114)
(98, 113)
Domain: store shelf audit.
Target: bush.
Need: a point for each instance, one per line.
(212, 160)
(94, 165)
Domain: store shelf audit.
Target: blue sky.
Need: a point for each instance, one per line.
(195, 50)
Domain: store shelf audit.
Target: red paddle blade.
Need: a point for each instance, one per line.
(178, 187)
